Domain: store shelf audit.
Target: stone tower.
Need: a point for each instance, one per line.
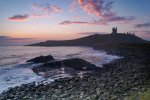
(114, 30)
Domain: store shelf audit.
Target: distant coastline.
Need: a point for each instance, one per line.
(96, 39)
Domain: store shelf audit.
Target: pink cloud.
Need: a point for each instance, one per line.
(73, 22)
(47, 8)
(82, 22)
(19, 17)
(92, 33)
(73, 6)
(96, 7)
(103, 21)
(103, 10)
(39, 15)
(43, 10)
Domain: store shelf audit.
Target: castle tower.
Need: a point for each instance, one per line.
(114, 30)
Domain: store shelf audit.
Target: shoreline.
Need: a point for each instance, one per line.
(118, 80)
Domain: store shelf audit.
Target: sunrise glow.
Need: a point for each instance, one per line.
(66, 19)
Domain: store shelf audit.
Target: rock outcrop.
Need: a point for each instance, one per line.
(42, 59)
(74, 63)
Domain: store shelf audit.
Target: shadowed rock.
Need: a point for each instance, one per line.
(74, 63)
(42, 59)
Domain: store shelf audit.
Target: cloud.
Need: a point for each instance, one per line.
(74, 22)
(46, 8)
(124, 19)
(3, 37)
(6, 40)
(147, 17)
(40, 11)
(84, 22)
(121, 19)
(91, 33)
(73, 6)
(145, 25)
(103, 21)
(97, 7)
(103, 10)
(142, 33)
(145, 32)
(19, 17)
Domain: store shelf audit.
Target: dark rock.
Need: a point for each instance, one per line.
(118, 80)
(41, 59)
(74, 63)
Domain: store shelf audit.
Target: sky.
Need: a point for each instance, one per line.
(30, 21)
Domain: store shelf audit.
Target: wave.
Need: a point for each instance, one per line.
(14, 71)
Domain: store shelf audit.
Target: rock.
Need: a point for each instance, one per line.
(69, 65)
(42, 59)
(119, 79)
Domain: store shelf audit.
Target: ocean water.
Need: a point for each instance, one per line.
(14, 71)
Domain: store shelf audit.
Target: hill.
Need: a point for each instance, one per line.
(96, 39)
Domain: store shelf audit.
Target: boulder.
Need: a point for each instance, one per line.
(42, 59)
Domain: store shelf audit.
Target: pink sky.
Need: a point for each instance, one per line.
(65, 19)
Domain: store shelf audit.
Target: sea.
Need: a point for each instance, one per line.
(15, 71)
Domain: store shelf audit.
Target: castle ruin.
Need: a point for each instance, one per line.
(114, 30)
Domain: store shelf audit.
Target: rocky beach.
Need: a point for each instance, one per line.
(123, 79)
(75, 50)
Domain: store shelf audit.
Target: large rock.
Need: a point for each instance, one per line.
(42, 59)
(74, 63)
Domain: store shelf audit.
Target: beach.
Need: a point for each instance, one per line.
(124, 78)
